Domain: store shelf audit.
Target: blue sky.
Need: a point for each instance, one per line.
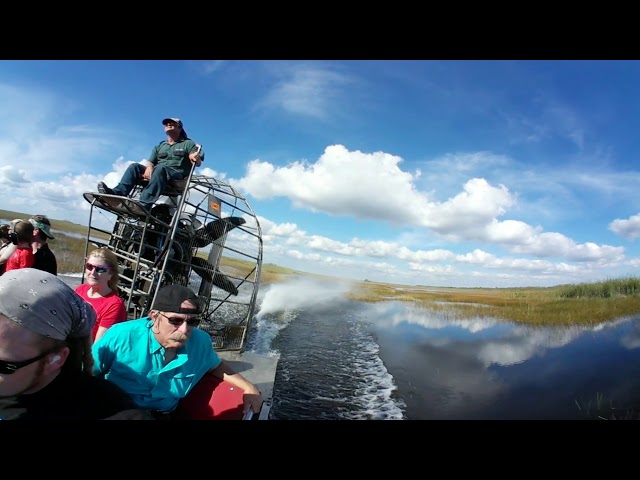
(444, 173)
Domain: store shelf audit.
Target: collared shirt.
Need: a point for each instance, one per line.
(129, 355)
(175, 155)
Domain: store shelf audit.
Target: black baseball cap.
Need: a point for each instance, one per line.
(170, 298)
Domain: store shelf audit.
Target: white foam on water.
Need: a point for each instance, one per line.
(279, 304)
(299, 294)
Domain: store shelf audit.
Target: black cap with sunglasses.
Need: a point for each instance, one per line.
(170, 297)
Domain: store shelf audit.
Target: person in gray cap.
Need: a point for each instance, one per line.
(159, 359)
(171, 159)
(44, 257)
(45, 354)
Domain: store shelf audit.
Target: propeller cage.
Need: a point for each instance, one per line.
(217, 252)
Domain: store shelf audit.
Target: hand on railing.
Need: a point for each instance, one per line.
(252, 401)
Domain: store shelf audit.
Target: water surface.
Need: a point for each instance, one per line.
(392, 360)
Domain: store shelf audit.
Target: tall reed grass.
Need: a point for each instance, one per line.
(580, 304)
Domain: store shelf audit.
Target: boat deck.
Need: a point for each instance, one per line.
(259, 370)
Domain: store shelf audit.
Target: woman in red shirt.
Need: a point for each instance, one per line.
(101, 290)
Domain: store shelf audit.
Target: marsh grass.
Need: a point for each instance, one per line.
(581, 304)
(609, 289)
(602, 408)
(58, 227)
(69, 252)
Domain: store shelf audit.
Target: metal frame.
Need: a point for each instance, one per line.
(154, 250)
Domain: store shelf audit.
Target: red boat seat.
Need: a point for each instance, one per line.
(211, 399)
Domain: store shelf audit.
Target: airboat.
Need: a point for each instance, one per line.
(201, 233)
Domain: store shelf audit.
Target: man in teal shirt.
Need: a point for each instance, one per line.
(170, 160)
(158, 359)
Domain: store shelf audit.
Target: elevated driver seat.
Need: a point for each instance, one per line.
(173, 189)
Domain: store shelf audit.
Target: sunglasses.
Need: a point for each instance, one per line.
(192, 322)
(7, 368)
(89, 267)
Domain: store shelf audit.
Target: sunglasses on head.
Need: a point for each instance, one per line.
(89, 267)
(7, 368)
(192, 322)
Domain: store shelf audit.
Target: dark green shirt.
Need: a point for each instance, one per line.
(176, 155)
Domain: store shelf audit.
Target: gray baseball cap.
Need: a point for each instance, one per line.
(44, 304)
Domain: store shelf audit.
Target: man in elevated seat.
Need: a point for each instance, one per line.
(170, 160)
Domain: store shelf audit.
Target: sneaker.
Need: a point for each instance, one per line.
(102, 188)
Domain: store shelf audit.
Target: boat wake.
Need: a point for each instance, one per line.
(280, 303)
(299, 294)
(329, 363)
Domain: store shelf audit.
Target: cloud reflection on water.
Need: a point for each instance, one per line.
(485, 368)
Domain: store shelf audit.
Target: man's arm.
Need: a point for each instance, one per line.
(102, 356)
(101, 331)
(7, 252)
(252, 396)
(196, 155)
(150, 163)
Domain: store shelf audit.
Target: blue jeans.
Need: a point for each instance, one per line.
(160, 177)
